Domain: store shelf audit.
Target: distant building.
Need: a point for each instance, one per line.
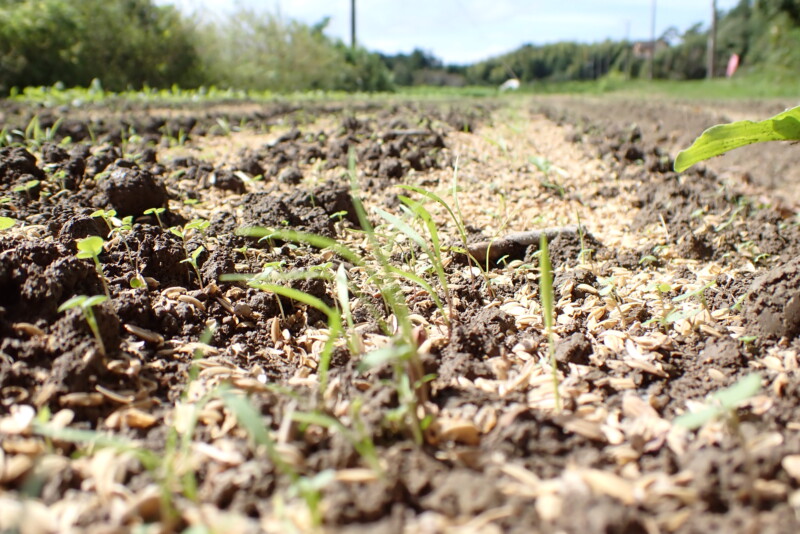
(643, 49)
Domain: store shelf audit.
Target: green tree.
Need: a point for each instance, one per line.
(122, 42)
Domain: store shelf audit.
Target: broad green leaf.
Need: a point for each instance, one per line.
(6, 223)
(724, 137)
(90, 247)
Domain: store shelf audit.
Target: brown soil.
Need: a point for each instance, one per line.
(674, 288)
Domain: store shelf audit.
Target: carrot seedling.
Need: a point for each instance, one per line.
(723, 404)
(87, 304)
(27, 187)
(92, 247)
(192, 260)
(157, 212)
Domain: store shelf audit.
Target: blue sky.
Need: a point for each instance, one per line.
(463, 31)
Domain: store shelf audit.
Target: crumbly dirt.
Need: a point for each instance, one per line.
(203, 401)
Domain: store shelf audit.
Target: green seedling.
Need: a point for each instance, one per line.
(408, 369)
(698, 294)
(86, 305)
(121, 227)
(201, 225)
(92, 247)
(198, 225)
(548, 310)
(109, 217)
(27, 187)
(307, 488)
(6, 223)
(339, 215)
(670, 315)
(401, 352)
(360, 439)
(666, 306)
(647, 260)
(6, 137)
(434, 251)
(723, 403)
(192, 260)
(458, 220)
(722, 138)
(546, 167)
(157, 212)
(34, 136)
(224, 126)
(609, 290)
(343, 296)
(724, 406)
(170, 468)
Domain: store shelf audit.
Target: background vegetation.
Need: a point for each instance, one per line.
(130, 44)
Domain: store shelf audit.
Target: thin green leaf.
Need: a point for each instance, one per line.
(313, 240)
(74, 302)
(546, 283)
(248, 417)
(94, 301)
(403, 227)
(380, 356)
(420, 282)
(297, 295)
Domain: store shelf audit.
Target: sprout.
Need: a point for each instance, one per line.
(92, 247)
(86, 304)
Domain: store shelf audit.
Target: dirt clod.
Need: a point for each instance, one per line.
(773, 302)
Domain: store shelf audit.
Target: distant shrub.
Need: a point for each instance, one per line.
(124, 43)
(262, 51)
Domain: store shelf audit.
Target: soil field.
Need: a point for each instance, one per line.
(346, 368)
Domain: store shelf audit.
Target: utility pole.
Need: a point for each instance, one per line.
(711, 58)
(628, 49)
(353, 24)
(652, 41)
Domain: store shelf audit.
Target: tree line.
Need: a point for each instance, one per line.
(136, 43)
(765, 34)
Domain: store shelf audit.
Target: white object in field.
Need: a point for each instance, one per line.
(512, 84)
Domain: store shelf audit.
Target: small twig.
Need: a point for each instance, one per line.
(514, 245)
(391, 134)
